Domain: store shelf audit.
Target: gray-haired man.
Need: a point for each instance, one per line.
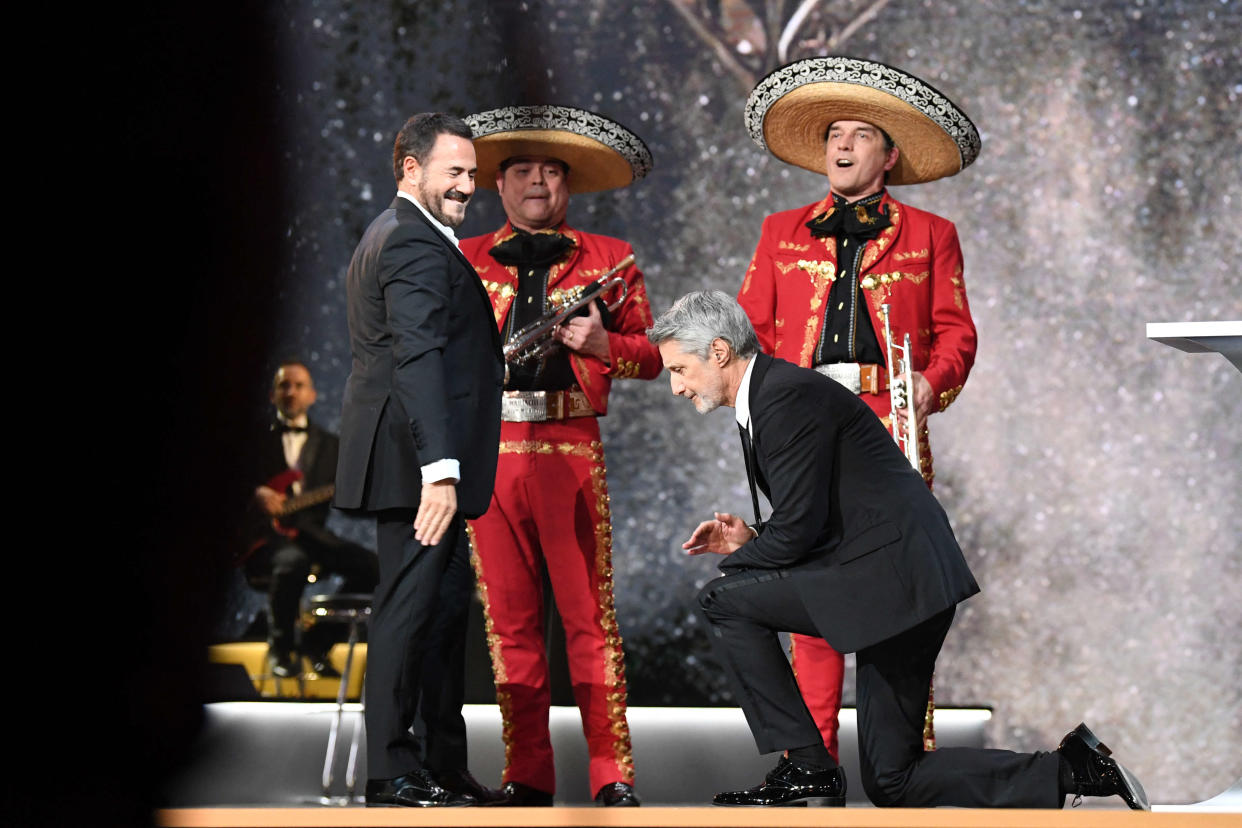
(856, 551)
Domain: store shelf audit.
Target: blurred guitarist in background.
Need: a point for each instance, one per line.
(300, 459)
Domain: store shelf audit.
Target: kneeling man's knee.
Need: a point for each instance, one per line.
(707, 596)
(885, 790)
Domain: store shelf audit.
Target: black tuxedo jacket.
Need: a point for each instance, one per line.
(868, 547)
(427, 368)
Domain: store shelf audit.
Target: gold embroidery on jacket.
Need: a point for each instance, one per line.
(750, 271)
(501, 294)
(877, 245)
(614, 657)
(822, 273)
(625, 369)
(545, 447)
(500, 672)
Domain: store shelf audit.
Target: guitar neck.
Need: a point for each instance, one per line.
(307, 499)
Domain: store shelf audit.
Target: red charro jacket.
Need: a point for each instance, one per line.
(915, 266)
(631, 354)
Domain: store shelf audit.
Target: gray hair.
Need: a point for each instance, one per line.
(697, 319)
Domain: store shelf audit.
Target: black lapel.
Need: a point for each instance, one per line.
(310, 451)
(404, 204)
(407, 207)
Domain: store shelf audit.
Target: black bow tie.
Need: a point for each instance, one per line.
(296, 429)
(860, 220)
(532, 249)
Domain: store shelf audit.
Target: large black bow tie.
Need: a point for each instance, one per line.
(296, 429)
(860, 220)
(532, 249)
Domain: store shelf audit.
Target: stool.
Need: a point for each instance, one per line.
(353, 609)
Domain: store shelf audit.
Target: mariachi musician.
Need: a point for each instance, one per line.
(550, 508)
(824, 276)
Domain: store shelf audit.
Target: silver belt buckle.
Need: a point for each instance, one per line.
(524, 407)
(848, 374)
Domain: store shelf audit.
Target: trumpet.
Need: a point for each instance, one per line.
(901, 392)
(534, 341)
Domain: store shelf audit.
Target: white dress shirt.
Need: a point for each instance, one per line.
(293, 442)
(741, 405)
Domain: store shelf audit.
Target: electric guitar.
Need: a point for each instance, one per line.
(292, 505)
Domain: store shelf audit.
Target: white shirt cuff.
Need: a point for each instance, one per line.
(441, 470)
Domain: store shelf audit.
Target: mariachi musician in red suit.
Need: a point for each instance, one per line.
(550, 507)
(824, 275)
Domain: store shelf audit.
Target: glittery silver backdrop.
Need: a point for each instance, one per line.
(1092, 475)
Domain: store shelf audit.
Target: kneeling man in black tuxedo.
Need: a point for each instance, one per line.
(859, 552)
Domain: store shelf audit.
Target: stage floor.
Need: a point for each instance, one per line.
(691, 817)
(261, 764)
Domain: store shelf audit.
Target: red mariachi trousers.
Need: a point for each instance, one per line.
(818, 668)
(550, 507)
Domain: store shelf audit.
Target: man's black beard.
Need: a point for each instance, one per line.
(435, 206)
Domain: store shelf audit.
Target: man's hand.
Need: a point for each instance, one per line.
(586, 335)
(720, 536)
(924, 399)
(436, 506)
(269, 500)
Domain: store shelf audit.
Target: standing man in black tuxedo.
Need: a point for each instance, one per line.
(858, 552)
(420, 428)
(299, 466)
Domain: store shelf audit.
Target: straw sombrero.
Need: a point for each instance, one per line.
(790, 109)
(601, 153)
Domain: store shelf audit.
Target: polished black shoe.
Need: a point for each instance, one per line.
(462, 781)
(788, 784)
(1096, 773)
(284, 664)
(416, 789)
(617, 795)
(518, 795)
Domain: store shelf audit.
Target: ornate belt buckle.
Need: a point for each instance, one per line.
(848, 374)
(524, 407)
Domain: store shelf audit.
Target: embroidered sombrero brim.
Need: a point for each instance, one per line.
(601, 154)
(790, 110)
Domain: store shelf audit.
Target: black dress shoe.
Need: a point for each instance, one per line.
(1096, 773)
(462, 781)
(788, 784)
(524, 796)
(416, 789)
(617, 795)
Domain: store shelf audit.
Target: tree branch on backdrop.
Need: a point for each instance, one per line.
(752, 37)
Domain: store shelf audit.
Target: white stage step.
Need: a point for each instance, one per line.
(272, 753)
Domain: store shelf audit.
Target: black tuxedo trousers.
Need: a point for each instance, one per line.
(744, 612)
(416, 649)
